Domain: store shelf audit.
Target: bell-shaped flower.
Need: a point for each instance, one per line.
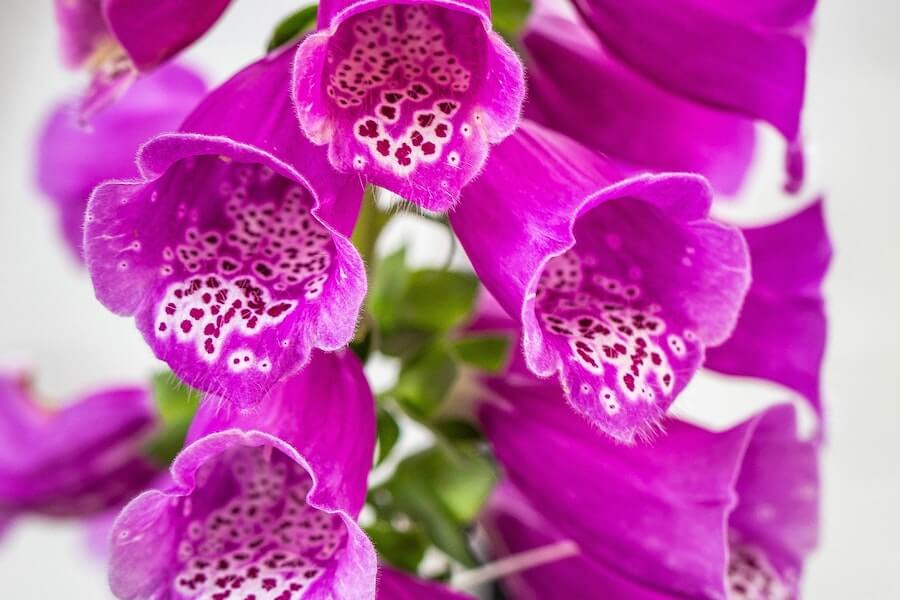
(74, 461)
(232, 250)
(692, 514)
(396, 585)
(71, 160)
(263, 503)
(748, 58)
(618, 284)
(780, 335)
(119, 39)
(577, 87)
(408, 95)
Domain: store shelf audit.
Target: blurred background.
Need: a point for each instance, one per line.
(50, 320)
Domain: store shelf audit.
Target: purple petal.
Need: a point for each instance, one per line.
(680, 487)
(82, 30)
(262, 502)
(576, 87)
(396, 585)
(410, 96)
(780, 335)
(79, 460)
(702, 50)
(72, 160)
(232, 252)
(619, 285)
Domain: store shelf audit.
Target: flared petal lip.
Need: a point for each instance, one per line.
(190, 459)
(687, 208)
(366, 5)
(162, 151)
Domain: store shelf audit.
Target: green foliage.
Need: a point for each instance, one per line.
(293, 27)
(424, 382)
(402, 544)
(486, 352)
(509, 18)
(388, 434)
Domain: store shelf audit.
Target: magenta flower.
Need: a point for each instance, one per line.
(396, 585)
(72, 160)
(262, 503)
(578, 88)
(619, 285)
(231, 251)
(75, 461)
(118, 39)
(408, 95)
(780, 335)
(693, 514)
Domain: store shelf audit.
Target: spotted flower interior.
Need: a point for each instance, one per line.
(236, 273)
(750, 575)
(610, 308)
(247, 532)
(402, 92)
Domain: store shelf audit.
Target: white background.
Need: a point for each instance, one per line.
(49, 319)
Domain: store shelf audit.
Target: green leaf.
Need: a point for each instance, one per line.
(456, 430)
(438, 300)
(387, 287)
(423, 383)
(443, 491)
(176, 404)
(509, 17)
(486, 352)
(293, 26)
(388, 434)
(403, 547)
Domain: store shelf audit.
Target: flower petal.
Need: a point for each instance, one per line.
(410, 95)
(71, 160)
(262, 502)
(780, 335)
(576, 87)
(721, 59)
(79, 460)
(232, 252)
(619, 285)
(397, 585)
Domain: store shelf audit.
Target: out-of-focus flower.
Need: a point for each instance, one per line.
(72, 160)
(576, 86)
(396, 585)
(693, 514)
(619, 285)
(780, 335)
(76, 461)
(118, 39)
(408, 95)
(232, 250)
(748, 58)
(263, 503)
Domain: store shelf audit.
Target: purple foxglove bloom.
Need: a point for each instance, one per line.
(408, 95)
(72, 160)
(396, 585)
(693, 514)
(263, 502)
(619, 285)
(578, 88)
(74, 461)
(232, 250)
(744, 57)
(780, 335)
(118, 39)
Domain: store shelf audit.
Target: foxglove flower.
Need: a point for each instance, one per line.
(408, 95)
(780, 335)
(232, 251)
(578, 88)
(74, 461)
(396, 585)
(619, 285)
(693, 514)
(118, 39)
(748, 58)
(72, 160)
(262, 503)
